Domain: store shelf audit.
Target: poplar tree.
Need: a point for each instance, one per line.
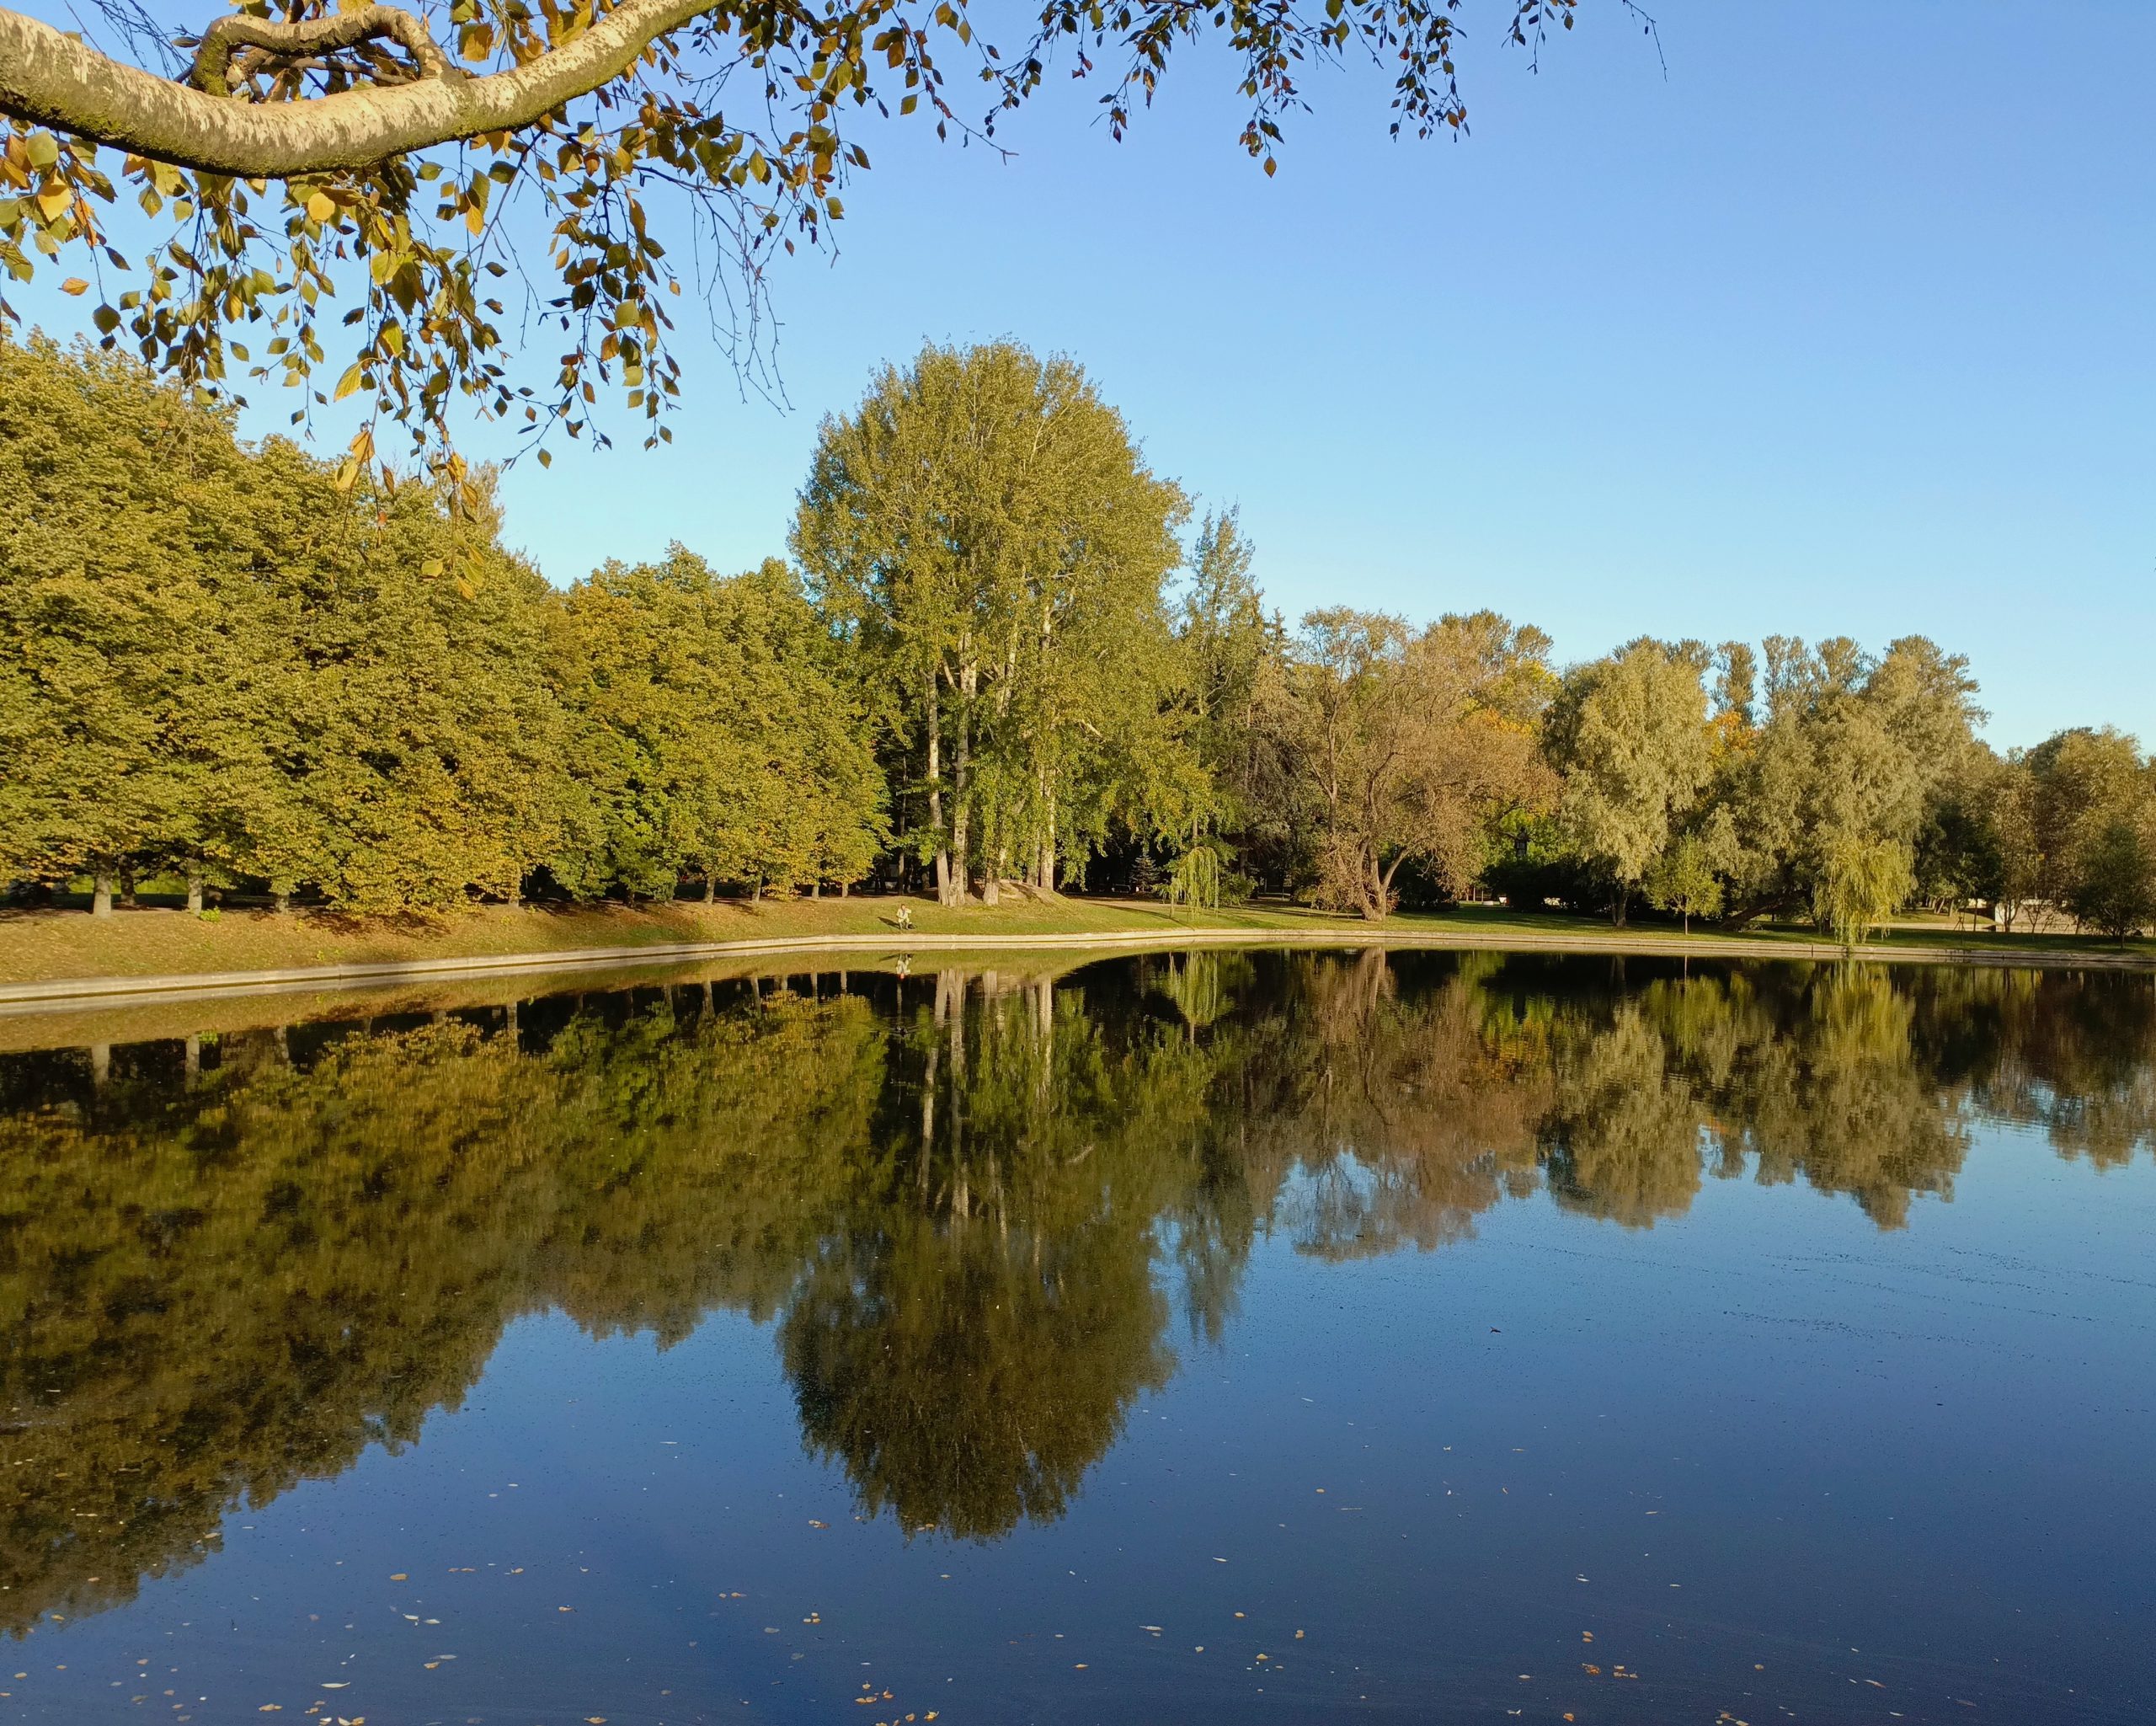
(984, 531)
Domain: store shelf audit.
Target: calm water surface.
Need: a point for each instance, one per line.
(1207, 1339)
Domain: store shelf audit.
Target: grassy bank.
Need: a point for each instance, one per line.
(45, 946)
(36, 946)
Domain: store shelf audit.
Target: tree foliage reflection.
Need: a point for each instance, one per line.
(973, 1205)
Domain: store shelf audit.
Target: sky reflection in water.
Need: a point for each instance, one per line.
(1302, 1336)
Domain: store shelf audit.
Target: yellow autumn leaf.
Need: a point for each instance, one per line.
(74, 284)
(321, 206)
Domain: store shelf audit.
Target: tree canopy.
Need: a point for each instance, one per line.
(243, 671)
(984, 531)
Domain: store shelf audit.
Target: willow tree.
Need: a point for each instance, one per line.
(985, 532)
(1630, 735)
(410, 160)
(1829, 797)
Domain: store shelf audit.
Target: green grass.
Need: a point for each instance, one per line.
(51, 945)
(43, 945)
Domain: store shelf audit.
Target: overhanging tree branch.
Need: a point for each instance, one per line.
(53, 79)
(326, 149)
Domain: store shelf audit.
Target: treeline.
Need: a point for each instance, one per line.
(216, 663)
(1004, 651)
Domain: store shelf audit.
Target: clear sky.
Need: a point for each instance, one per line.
(1838, 322)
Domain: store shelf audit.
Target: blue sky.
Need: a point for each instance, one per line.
(1842, 323)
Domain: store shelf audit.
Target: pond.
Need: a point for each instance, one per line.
(1192, 1338)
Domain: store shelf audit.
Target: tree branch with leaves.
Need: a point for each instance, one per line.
(297, 156)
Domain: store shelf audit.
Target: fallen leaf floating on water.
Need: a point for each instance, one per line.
(400, 1576)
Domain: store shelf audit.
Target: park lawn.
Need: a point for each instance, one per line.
(49, 945)
(46, 946)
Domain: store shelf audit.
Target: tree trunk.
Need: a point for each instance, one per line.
(101, 1064)
(816, 888)
(1384, 885)
(961, 791)
(282, 899)
(100, 895)
(1375, 893)
(936, 793)
(1043, 870)
(127, 887)
(195, 891)
(711, 889)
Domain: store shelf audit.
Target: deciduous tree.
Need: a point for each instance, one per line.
(984, 531)
(1630, 734)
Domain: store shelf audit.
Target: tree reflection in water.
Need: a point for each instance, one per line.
(971, 1202)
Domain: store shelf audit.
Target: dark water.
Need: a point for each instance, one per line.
(1214, 1339)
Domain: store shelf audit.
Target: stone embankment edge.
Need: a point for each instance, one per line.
(46, 996)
